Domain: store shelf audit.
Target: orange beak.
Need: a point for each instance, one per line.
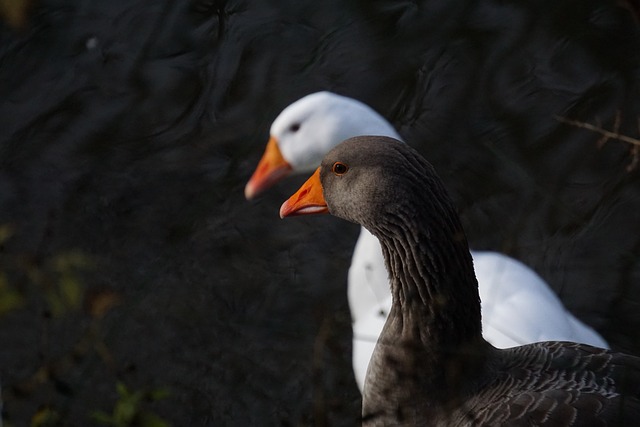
(307, 200)
(271, 169)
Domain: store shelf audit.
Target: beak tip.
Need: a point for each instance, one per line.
(284, 210)
(252, 189)
(249, 193)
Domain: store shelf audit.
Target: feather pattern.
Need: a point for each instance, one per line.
(518, 307)
(431, 365)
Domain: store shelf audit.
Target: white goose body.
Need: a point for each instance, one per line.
(518, 307)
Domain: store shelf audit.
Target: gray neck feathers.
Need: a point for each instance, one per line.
(433, 284)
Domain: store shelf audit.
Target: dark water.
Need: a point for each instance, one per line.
(128, 130)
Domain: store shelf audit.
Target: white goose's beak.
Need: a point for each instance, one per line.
(271, 169)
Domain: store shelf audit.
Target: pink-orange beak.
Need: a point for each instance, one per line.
(271, 169)
(307, 200)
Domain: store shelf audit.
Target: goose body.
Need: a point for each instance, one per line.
(431, 365)
(518, 307)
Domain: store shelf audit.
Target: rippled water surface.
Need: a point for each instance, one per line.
(132, 270)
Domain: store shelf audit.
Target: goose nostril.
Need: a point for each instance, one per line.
(302, 194)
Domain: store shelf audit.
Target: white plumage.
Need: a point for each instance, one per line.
(518, 307)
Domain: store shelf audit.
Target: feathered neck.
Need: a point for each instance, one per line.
(435, 292)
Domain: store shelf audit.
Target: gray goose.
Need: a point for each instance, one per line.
(431, 365)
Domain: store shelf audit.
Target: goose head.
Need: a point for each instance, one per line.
(387, 187)
(308, 129)
(364, 179)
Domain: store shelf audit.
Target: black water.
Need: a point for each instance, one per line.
(129, 128)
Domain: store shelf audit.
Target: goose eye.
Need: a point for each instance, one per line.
(339, 168)
(294, 127)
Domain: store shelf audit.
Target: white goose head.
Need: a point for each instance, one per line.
(307, 130)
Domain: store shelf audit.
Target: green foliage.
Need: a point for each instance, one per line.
(10, 299)
(66, 292)
(6, 231)
(45, 417)
(129, 409)
(58, 278)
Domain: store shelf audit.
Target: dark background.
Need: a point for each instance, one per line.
(134, 275)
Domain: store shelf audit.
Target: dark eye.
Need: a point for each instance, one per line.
(339, 168)
(294, 127)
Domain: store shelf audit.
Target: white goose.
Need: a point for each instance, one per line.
(517, 305)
